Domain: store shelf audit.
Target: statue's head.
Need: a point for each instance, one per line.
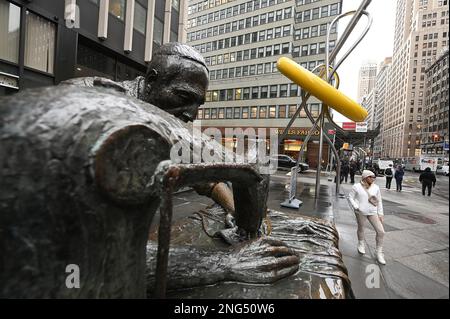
(176, 80)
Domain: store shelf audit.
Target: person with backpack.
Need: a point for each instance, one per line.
(389, 173)
(353, 170)
(428, 180)
(399, 173)
(345, 169)
(365, 199)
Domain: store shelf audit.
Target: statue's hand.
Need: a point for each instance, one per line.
(262, 261)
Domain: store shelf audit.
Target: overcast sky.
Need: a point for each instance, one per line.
(377, 44)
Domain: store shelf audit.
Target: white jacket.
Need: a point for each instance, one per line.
(359, 199)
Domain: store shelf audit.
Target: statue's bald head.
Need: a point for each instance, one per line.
(176, 80)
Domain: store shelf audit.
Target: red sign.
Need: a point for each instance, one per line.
(331, 132)
(349, 126)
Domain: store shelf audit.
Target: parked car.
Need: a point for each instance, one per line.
(442, 170)
(287, 162)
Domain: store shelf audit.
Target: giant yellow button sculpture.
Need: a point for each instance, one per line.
(322, 90)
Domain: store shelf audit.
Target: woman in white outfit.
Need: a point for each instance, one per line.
(365, 197)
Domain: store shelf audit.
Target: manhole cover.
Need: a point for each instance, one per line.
(416, 218)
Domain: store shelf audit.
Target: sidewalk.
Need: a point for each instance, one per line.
(416, 240)
(416, 246)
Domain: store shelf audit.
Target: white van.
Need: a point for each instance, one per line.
(420, 163)
(382, 164)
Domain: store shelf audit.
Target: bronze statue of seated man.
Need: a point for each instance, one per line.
(85, 169)
(78, 187)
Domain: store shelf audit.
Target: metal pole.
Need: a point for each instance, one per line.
(319, 165)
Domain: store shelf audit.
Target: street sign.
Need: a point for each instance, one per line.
(446, 148)
(349, 126)
(361, 127)
(331, 132)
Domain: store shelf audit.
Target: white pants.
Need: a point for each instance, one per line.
(376, 224)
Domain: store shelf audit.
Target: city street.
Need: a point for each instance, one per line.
(416, 241)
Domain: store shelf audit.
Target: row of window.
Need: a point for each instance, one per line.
(256, 92)
(247, 38)
(427, 24)
(206, 4)
(434, 15)
(313, 31)
(432, 36)
(304, 2)
(242, 24)
(268, 51)
(229, 12)
(317, 13)
(249, 54)
(256, 112)
(255, 69)
(237, 9)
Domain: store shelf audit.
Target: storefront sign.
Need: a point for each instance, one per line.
(349, 126)
(298, 132)
(361, 127)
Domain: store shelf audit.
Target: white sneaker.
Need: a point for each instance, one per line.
(380, 256)
(361, 247)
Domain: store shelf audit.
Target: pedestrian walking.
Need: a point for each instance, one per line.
(389, 173)
(428, 180)
(365, 198)
(345, 171)
(353, 169)
(399, 173)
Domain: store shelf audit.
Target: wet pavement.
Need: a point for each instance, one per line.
(416, 240)
(416, 243)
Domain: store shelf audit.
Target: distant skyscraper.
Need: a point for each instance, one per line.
(421, 31)
(381, 89)
(435, 127)
(366, 80)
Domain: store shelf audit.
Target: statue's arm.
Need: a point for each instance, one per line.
(259, 261)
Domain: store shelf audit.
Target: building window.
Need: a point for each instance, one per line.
(292, 109)
(294, 90)
(176, 5)
(263, 112)
(214, 113)
(40, 37)
(117, 8)
(229, 111)
(245, 112)
(140, 18)
(158, 29)
(237, 112)
(221, 113)
(9, 31)
(272, 112)
(273, 91)
(282, 111)
(200, 114)
(283, 90)
(264, 92)
(254, 112)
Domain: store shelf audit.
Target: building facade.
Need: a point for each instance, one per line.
(381, 89)
(421, 31)
(435, 125)
(366, 80)
(44, 42)
(241, 42)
